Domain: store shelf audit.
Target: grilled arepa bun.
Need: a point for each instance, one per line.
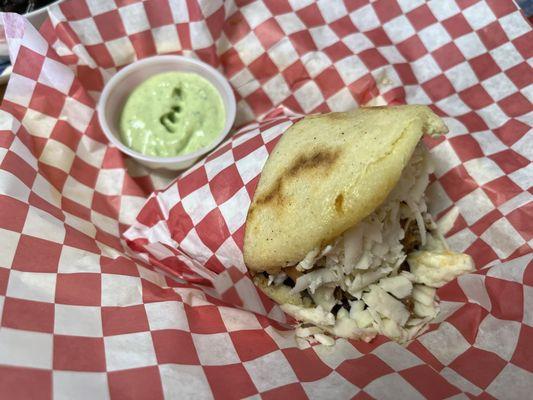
(338, 232)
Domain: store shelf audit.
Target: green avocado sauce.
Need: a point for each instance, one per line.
(171, 114)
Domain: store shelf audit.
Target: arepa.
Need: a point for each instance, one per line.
(338, 231)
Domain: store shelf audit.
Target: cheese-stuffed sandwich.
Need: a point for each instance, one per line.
(338, 232)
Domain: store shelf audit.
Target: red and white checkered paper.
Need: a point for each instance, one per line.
(83, 316)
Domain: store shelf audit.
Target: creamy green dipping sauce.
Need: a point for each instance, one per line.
(171, 114)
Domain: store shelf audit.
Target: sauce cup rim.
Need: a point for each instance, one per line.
(115, 79)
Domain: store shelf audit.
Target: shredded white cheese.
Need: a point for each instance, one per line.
(385, 304)
(399, 286)
(365, 263)
(436, 268)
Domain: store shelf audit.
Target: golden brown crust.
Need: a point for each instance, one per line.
(326, 174)
(323, 159)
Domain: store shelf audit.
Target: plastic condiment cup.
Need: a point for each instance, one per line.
(120, 86)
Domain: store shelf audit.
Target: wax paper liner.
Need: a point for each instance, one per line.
(83, 317)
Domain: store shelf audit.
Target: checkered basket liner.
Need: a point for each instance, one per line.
(84, 315)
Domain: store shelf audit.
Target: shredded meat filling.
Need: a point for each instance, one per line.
(293, 273)
(410, 304)
(411, 240)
